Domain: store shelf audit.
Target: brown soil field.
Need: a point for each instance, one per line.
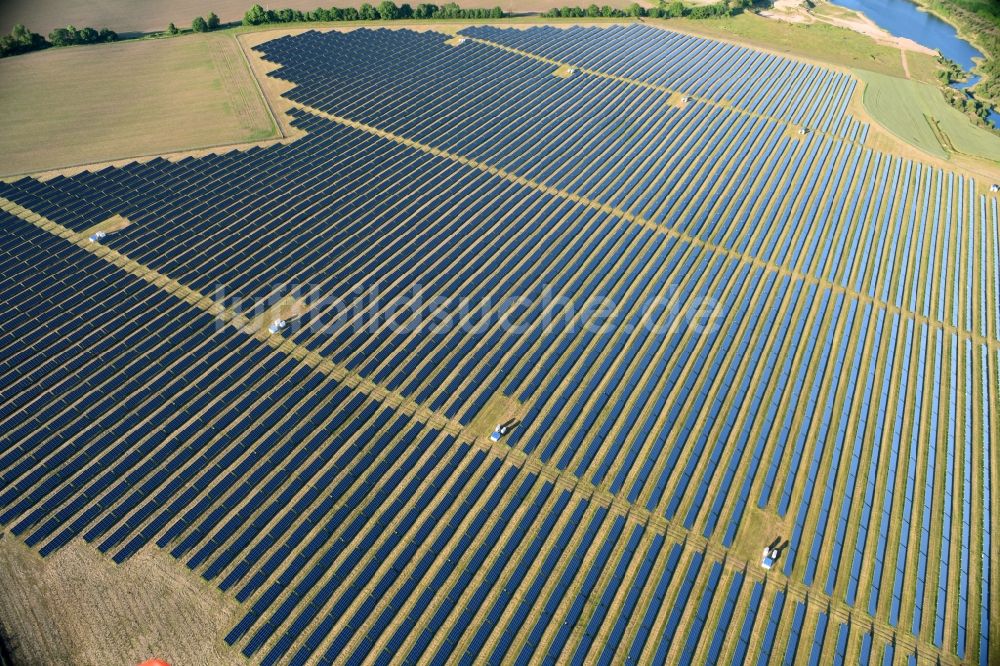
(78, 607)
(111, 101)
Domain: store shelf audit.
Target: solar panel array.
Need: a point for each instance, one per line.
(844, 392)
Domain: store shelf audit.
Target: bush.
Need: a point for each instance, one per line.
(63, 36)
(70, 36)
(21, 40)
(255, 16)
(388, 11)
(593, 11)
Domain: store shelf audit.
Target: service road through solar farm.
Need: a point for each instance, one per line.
(713, 319)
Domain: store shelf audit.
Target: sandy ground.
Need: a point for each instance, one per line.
(794, 11)
(78, 607)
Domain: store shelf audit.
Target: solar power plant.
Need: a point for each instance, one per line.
(798, 339)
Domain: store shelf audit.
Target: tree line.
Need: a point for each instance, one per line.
(675, 9)
(22, 40)
(384, 11)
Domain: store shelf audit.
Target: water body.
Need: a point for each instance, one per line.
(903, 18)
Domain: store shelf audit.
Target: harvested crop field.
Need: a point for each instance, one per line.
(90, 104)
(78, 607)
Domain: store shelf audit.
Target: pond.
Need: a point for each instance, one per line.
(903, 18)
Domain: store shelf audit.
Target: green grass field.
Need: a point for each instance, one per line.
(78, 105)
(917, 113)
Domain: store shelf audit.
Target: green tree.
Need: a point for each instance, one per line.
(86, 36)
(635, 10)
(62, 37)
(388, 11)
(368, 13)
(255, 16)
(27, 40)
(675, 9)
(172, 29)
(20, 35)
(496, 13)
(21, 40)
(425, 10)
(199, 24)
(212, 20)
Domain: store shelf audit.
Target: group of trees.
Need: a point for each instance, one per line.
(675, 9)
(22, 40)
(206, 24)
(69, 36)
(199, 24)
(386, 10)
(594, 11)
(950, 71)
(967, 104)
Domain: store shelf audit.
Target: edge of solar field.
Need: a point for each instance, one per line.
(818, 606)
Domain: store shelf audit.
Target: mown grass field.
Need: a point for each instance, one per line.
(79, 105)
(917, 113)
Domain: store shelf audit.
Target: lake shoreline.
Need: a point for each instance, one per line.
(918, 21)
